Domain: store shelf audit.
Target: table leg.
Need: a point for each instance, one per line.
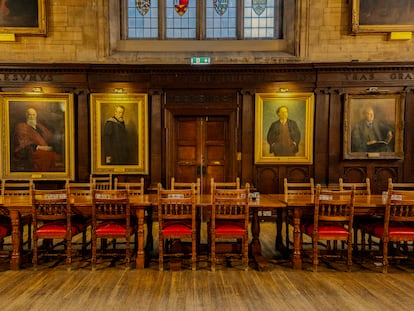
(297, 241)
(255, 247)
(16, 240)
(140, 259)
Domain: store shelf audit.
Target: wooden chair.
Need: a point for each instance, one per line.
(400, 186)
(225, 184)
(101, 181)
(186, 185)
(177, 220)
(332, 221)
(361, 188)
(111, 219)
(397, 227)
(20, 190)
(52, 220)
(5, 229)
(134, 188)
(81, 191)
(295, 188)
(229, 220)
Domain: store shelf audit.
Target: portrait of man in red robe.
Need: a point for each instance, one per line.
(34, 146)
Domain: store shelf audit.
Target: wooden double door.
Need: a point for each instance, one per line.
(202, 146)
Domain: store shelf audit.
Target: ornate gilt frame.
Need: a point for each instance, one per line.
(301, 109)
(9, 24)
(55, 111)
(136, 120)
(388, 108)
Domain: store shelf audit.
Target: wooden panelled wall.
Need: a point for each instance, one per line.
(203, 88)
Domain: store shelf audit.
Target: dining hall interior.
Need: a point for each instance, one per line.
(203, 155)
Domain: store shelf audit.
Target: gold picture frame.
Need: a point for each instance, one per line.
(46, 152)
(376, 16)
(269, 147)
(28, 18)
(128, 155)
(373, 126)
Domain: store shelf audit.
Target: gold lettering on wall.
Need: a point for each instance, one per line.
(24, 77)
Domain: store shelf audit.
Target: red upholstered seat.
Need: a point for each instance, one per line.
(56, 228)
(5, 230)
(112, 228)
(327, 231)
(176, 227)
(230, 228)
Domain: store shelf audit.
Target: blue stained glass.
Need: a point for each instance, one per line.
(220, 21)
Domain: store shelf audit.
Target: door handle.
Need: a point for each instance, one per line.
(201, 170)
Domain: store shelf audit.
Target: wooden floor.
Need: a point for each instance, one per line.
(51, 287)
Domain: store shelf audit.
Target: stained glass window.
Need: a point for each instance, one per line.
(219, 19)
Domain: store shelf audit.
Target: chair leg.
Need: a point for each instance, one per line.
(385, 257)
(94, 246)
(315, 254)
(68, 254)
(34, 256)
(161, 253)
(194, 247)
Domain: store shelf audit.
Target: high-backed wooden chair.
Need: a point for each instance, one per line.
(5, 229)
(397, 227)
(295, 188)
(81, 192)
(186, 185)
(111, 219)
(134, 188)
(361, 188)
(101, 181)
(225, 184)
(229, 220)
(177, 220)
(332, 221)
(52, 220)
(19, 190)
(400, 185)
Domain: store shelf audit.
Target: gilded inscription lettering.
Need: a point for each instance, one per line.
(360, 76)
(402, 76)
(17, 77)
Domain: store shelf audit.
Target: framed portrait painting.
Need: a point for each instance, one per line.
(38, 135)
(284, 128)
(119, 133)
(382, 16)
(23, 17)
(373, 126)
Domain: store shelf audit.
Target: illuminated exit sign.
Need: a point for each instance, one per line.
(200, 60)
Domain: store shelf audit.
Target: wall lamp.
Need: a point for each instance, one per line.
(119, 90)
(37, 89)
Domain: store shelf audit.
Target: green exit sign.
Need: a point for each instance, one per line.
(205, 60)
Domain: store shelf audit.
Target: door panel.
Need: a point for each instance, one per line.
(202, 149)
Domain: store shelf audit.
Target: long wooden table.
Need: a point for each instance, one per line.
(140, 204)
(300, 204)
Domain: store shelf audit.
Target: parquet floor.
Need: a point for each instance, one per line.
(112, 287)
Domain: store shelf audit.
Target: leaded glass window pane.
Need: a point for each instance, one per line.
(142, 19)
(181, 19)
(221, 19)
(259, 19)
